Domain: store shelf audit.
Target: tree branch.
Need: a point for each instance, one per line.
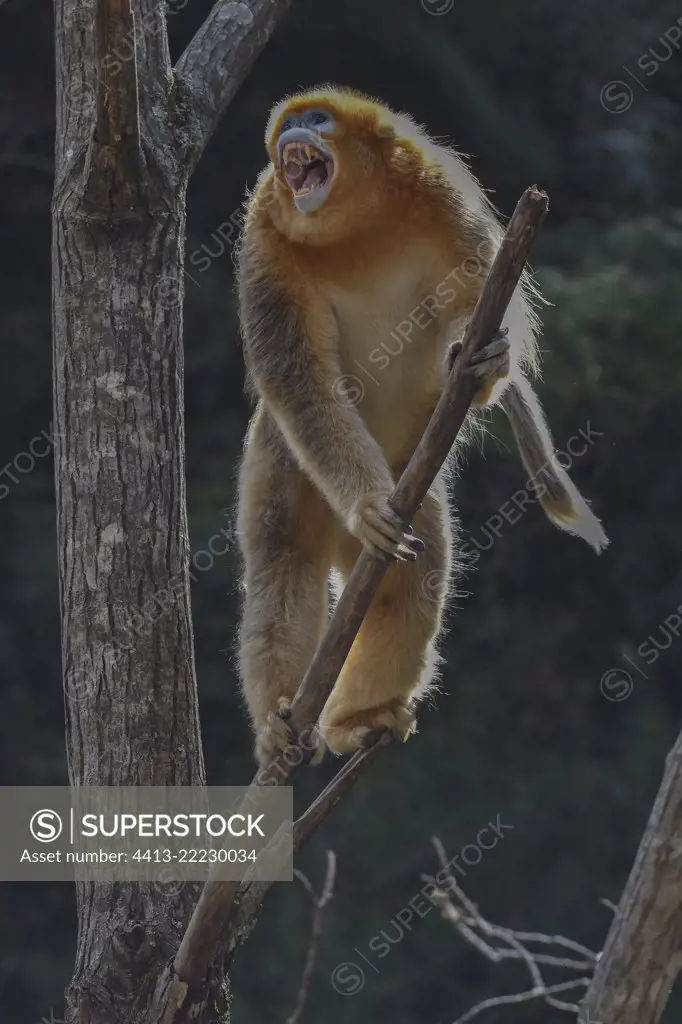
(251, 895)
(217, 61)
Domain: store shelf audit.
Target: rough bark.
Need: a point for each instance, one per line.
(127, 649)
(131, 704)
(643, 953)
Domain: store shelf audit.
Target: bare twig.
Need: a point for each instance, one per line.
(215, 903)
(526, 997)
(319, 904)
(559, 940)
(456, 907)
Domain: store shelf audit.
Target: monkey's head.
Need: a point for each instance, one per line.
(329, 151)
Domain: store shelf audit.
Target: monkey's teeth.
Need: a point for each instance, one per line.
(305, 167)
(301, 152)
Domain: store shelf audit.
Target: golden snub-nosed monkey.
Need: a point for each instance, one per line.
(364, 251)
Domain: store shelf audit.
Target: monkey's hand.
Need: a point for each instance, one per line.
(278, 737)
(381, 530)
(490, 364)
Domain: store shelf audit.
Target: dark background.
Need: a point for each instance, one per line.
(521, 727)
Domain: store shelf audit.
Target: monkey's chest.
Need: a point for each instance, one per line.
(392, 316)
(393, 336)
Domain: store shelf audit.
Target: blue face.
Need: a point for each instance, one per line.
(317, 120)
(306, 160)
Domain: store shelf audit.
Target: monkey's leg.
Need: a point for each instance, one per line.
(285, 530)
(393, 658)
(489, 365)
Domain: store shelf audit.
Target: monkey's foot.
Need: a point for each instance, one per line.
(382, 531)
(490, 364)
(279, 738)
(359, 730)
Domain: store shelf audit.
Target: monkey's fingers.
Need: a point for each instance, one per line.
(387, 551)
(492, 362)
(381, 531)
(498, 345)
(385, 530)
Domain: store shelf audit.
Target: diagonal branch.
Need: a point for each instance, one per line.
(428, 458)
(213, 909)
(251, 896)
(217, 61)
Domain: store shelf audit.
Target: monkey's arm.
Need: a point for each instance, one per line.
(291, 357)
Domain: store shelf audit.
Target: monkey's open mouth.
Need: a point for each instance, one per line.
(305, 167)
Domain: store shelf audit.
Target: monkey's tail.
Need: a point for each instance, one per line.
(557, 494)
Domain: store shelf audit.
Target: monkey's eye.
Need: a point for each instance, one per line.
(286, 125)
(318, 117)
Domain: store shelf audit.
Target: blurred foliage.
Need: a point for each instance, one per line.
(521, 728)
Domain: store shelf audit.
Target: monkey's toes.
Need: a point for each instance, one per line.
(363, 729)
(279, 737)
(276, 734)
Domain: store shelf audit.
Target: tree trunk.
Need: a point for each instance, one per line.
(642, 957)
(129, 132)
(127, 648)
(132, 716)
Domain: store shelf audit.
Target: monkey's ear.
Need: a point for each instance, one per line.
(385, 131)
